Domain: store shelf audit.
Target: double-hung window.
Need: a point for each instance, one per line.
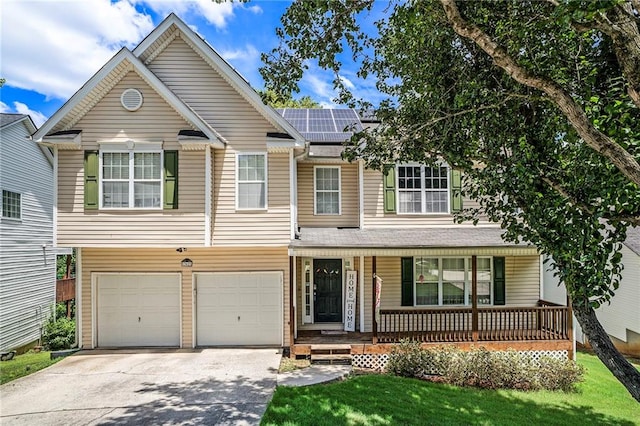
(251, 181)
(131, 179)
(326, 184)
(447, 281)
(423, 189)
(11, 205)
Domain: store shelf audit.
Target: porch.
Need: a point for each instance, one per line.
(543, 328)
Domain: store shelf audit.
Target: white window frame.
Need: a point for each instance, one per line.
(315, 191)
(467, 280)
(266, 181)
(4, 213)
(144, 148)
(423, 190)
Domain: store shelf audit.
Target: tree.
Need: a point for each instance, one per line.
(537, 102)
(276, 100)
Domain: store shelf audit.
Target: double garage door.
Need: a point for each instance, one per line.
(143, 309)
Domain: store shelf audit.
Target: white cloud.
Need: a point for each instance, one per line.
(20, 108)
(54, 47)
(246, 60)
(347, 83)
(255, 9)
(214, 13)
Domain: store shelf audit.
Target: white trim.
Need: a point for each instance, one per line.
(294, 280)
(208, 173)
(293, 202)
(79, 297)
(150, 78)
(226, 71)
(94, 300)
(130, 145)
(194, 317)
(307, 319)
(361, 193)
(72, 141)
(362, 307)
(278, 145)
(55, 197)
(266, 182)
(315, 191)
(336, 252)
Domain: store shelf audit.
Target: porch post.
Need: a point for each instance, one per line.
(572, 352)
(292, 312)
(474, 298)
(373, 301)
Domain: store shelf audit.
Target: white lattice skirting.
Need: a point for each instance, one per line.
(379, 361)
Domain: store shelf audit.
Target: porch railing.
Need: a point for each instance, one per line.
(457, 324)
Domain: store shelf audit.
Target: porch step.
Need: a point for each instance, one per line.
(331, 354)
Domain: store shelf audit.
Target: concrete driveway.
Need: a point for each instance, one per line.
(208, 386)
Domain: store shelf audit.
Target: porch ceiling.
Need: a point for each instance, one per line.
(387, 241)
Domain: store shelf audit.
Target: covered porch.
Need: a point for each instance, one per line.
(375, 316)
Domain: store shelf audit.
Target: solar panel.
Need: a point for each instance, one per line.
(323, 125)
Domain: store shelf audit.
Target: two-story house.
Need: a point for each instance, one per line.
(27, 254)
(203, 217)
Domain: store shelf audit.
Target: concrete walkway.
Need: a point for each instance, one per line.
(313, 375)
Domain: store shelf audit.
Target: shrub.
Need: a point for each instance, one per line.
(59, 332)
(481, 368)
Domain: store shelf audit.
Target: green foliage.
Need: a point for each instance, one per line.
(61, 265)
(2, 82)
(484, 369)
(276, 100)
(25, 364)
(59, 332)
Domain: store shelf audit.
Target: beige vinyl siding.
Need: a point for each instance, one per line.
(219, 104)
(522, 283)
(168, 260)
(136, 228)
(348, 197)
(375, 217)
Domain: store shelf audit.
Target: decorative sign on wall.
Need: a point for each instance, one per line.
(350, 301)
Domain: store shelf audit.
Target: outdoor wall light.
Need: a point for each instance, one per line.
(187, 263)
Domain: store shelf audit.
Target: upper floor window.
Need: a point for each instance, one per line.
(131, 180)
(326, 184)
(11, 205)
(423, 189)
(251, 181)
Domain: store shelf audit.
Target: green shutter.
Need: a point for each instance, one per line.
(456, 191)
(170, 180)
(389, 183)
(499, 294)
(91, 172)
(407, 281)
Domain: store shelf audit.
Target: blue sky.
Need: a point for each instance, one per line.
(50, 48)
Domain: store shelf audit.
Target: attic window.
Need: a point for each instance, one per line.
(131, 99)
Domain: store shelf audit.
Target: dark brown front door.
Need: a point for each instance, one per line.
(327, 281)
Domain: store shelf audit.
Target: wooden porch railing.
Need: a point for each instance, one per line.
(456, 324)
(65, 289)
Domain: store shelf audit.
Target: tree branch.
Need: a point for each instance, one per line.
(597, 140)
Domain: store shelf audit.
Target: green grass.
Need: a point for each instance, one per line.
(387, 400)
(23, 365)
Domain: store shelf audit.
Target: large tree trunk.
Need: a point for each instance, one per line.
(626, 373)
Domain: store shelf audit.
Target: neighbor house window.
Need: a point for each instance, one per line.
(11, 205)
(251, 192)
(131, 180)
(326, 190)
(423, 189)
(447, 281)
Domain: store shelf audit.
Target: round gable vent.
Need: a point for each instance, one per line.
(131, 99)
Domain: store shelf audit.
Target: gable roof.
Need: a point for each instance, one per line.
(147, 49)
(7, 120)
(102, 81)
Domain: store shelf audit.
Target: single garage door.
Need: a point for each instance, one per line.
(138, 310)
(239, 308)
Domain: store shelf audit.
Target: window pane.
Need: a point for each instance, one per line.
(484, 292)
(115, 165)
(11, 205)
(409, 202)
(251, 195)
(115, 194)
(426, 269)
(327, 203)
(146, 194)
(147, 165)
(453, 293)
(436, 202)
(426, 293)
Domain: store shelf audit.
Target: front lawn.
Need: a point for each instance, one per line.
(23, 365)
(387, 400)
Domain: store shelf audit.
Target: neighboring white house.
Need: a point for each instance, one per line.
(27, 257)
(620, 318)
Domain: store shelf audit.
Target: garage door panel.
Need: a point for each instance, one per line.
(138, 310)
(255, 298)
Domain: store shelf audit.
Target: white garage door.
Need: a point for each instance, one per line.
(239, 308)
(138, 310)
